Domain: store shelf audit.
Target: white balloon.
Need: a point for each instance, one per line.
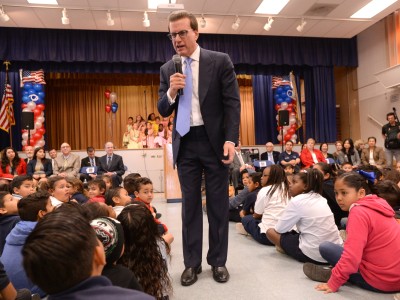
(113, 97)
(294, 136)
(284, 132)
(277, 117)
(26, 109)
(23, 143)
(33, 131)
(42, 114)
(292, 121)
(286, 127)
(25, 136)
(31, 105)
(293, 140)
(38, 125)
(284, 105)
(40, 143)
(279, 137)
(40, 119)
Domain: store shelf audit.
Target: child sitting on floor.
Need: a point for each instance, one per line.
(310, 212)
(8, 216)
(22, 186)
(77, 190)
(96, 190)
(373, 237)
(255, 183)
(118, 198)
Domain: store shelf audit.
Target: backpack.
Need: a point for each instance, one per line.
(392, 141)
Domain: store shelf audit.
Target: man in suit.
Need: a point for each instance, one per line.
(241, 160)
(270, 154)
(90, 161)
(206, 129)
(29, 153)
(67, 164)
(112, 165)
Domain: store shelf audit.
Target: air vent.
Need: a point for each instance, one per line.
(320, 10)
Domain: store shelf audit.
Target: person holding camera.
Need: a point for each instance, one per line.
(390, 132)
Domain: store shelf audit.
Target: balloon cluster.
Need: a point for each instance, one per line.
(284, 101)
(33, 101)
(113, 97)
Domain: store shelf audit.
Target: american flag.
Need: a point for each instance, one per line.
(296, 101)
(32, 76)
(7, 110)
(278, 81)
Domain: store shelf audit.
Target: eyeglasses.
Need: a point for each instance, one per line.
(182, 34)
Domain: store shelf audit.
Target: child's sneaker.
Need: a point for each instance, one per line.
(279, 249)
(240, 229)
(317, 272)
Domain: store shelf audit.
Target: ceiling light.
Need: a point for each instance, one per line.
(64, 18)
(203, 22)
(271, 7)
(153, 4)
(146, 21)
(300, 28)
(373, 8)
(46, 2)
(4, 17)
(267, 25)
(236, 24)
(110, 21)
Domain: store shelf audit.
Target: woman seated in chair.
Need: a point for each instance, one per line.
(11, 164)
(324, 150)
(40, 167)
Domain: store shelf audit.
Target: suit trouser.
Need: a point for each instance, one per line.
(195, 156)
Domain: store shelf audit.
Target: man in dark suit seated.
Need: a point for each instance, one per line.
(241, 160)
(90, 161)
(112, 165)
(270, 154)
(29, 153)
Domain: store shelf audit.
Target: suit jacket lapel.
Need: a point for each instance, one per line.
(206, 67)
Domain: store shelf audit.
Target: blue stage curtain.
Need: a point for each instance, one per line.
(16, 129)
(148, 50)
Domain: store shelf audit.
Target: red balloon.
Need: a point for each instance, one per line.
(293, 114)
(279, 128)
(41, 130)
(24, 130)
(40, 106)
(288, 137)
(37, 136)
(291, 130)
(294, 126)
(289, 109)
(277, 106)
(290, 105)
(32, 142)
(108, 108)
(107, 94)
(24, 105)
(37, 112)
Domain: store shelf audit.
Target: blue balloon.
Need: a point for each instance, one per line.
(25, 93)
(287, 87)
(283, 93)
(288, 100)
(31, 92)
(37, 87)
(25, 99)
(27, 86)
(114, 107)
(279, 100)
(279, 90)
(39, 101)
(41, 95)
(276, 96)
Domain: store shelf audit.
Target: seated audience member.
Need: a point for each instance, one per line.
(108, 181)
(373, 155)
(29, 153)
(270, 204)
(241, 161)
(236, 202)
(8, 216)
(339, 147)
(129, 183)
(144, 194)
(346, 167)
(389, 191)
(373, 236)
(95, 210)
(111, 234)
(59, 190)
(256, 181)
(270, 154)
(329, 194)
(77, 191)
(312, 216)
(288, 169)
(53, 156)
(118, 198)
(11, 165)
(65, 276)
(22, 186)
(359, 146)
(112, 165)
(324, 150)
(67, 164)
(349, 154)
(89, 161)
(30, 209)
(289, 157)
(150, 266)
(39, 167)
(96, 190)
(310, 156)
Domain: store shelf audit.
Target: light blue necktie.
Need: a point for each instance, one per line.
(185, 102)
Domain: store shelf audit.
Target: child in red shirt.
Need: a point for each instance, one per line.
(97, 189)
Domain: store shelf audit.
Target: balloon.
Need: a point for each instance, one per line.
(39, 101)
(31, 105)
(289, 109)
(291, 130)
(287, 87)
(31, 142)
(279, 90)
(40, 119)
(279, 101)
(32, 92)
(38, 125)
(286, 127)
(279, 137)
(41, 95)
(40, 106)
(26, 109)
(40, 143)
(37, 136)
(277, 106)
(108, 108)
(292, 114)
(23, 105)
(113, 97)
(292, 120)
(25, 136)
(288, 100)
(107, 94)
(276, 96)
(288, 137)
(37, 112)
(294, 136)
(293, 140)
(284, 105)
(23, 143)
(114, 107)
(37, 87)
(25, 93)
(41, 130)
(26, 99)
(27, 86)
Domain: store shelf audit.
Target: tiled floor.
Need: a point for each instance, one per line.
(257, 271)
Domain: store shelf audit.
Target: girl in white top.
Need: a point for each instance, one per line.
(314, 220)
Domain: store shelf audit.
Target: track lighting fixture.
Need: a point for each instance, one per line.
(300, 28)
(110, 21)
(64, 18)
(146, 21)
(236, 24)
(203, 22)
(4, 17)
(268, 25)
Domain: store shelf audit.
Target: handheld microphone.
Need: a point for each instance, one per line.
(178, 68)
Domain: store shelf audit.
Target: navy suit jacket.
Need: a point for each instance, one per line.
(218, 96)
(275, 155)
(116, 165)
(86, 163)
(48, 169)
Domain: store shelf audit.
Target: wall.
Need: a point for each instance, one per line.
(374, 98)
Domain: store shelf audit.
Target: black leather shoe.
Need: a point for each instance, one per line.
(189, 276)
(220, 274)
